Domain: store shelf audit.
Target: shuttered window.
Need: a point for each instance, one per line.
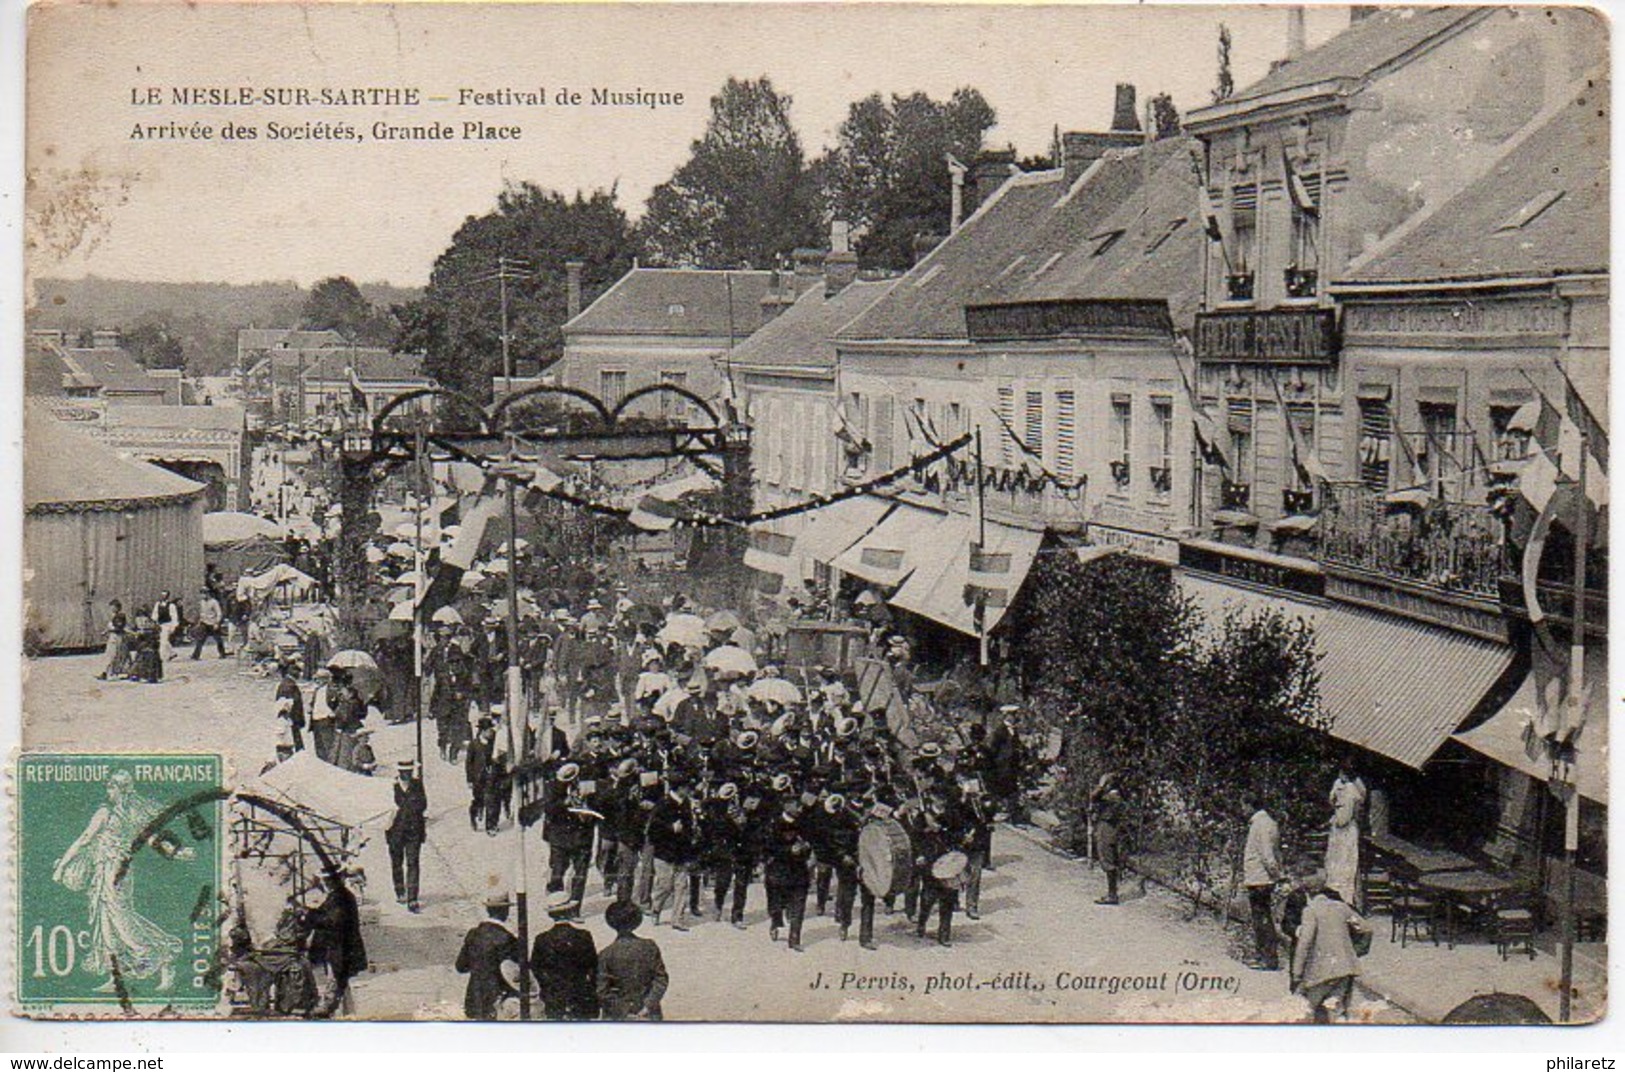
(1066, 433)
(1034, 435)
(881, 435)
(1007, 418)
(1376, 444)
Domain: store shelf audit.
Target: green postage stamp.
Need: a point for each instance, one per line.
(118, 884)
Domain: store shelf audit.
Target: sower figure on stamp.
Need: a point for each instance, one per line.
(486, 948)
(407, 832)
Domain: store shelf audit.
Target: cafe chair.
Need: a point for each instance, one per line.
(1379, 891)
(1415, 913)
(1513, 924)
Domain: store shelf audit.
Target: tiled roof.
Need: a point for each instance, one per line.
(803, 336)
(289, 338)
(370, 363)
(223, 418)
(45, 373)
(1126, 230)
(113, 369)
(684, 302)
(1367, 46)
(929, 301)
(63, 465)
(1131, 232)
(1541, 211)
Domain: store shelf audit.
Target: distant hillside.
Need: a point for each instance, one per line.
(204, 316)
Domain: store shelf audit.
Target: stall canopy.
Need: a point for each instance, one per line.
(893, 549)
(350, 798)
(773, 553)
(942, 587)
(1502, 737)
(282, 579)
(229, 527)
(838, 526)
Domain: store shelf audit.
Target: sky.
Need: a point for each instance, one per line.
(300, 210)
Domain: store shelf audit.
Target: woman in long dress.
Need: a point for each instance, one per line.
(122, 940)
(1343, 841)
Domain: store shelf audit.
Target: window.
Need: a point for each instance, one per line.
(1303, 429)
(1244, 229)
(674, 406)
(675, 309)
(1510, 445)
(1162, 473)
(1529, 211)
(1376, 444)
(1066, 433)
(1302, 275)
(1122, 441)
(956, 421)
(1007, 423)
(1240, 421)
(881, 436)
(612, 386)
(1436, 457)
(1033, 436)
(1104, 241)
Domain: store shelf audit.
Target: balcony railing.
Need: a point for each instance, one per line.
(1301, 282)
(1239, 286)
(1457, 547)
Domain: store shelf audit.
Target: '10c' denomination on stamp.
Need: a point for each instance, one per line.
(118, 891)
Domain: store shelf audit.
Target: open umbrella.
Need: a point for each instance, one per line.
(447, 616)
(375, 555)
(521, 544)
(352, 659)
(686, 630)
(407, 579)
(723, 621)
(402, 611)
(496, 565)
(402, 549)
(730, 660)
(774, 690)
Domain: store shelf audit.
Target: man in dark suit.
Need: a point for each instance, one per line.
(486, 948)
(564, 961)
(568, 831)
(631, 972)
(786, 874)
(335, 947)
(406, 833)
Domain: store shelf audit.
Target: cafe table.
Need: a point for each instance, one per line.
(1473, 890)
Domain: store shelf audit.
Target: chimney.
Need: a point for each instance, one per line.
(1125, 114)
(840, 271)
(987, 174)
(1295, 35)
(809, 267)
(956, 175)
(105, 338)
(572, 289)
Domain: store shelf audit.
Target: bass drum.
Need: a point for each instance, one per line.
(885, 858)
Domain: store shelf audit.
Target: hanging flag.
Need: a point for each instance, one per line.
(1303, 457)
(358, 394)
(1212, 441)
(451, 562)
(1555, 447)
(1298, 189)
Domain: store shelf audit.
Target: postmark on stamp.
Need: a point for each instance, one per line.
(118, 883)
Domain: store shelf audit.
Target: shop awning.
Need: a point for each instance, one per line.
(889, 552)
(1501, 737)
(838, 526)
(1400, 688)
(943, 584)
(773, 551)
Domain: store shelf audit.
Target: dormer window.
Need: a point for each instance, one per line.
(675, 309)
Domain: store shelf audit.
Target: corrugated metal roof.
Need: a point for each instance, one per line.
(1400, 688)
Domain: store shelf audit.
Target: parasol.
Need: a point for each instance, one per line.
(447, 616)
(685, 630)
(774, 690)
(401, 612)
(723, 621)
(730, 660)
(402, 549)
(375, 555)
(667, 704)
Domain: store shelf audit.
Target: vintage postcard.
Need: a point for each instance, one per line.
(822, 513)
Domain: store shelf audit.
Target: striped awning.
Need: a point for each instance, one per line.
(839, 525)
(893, 549)
(1401, 688)
(944, 586)
(1391, 686)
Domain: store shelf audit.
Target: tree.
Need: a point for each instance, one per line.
(154, 343)
(745, 197)
(1226, 84)
(337, 304)
(888, 173)
(1164, 117)
(458, 321)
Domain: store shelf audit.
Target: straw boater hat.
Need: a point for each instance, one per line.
(727, 791)
(930, 750)
(781, 782)
(846, 727)
(652, 656)
(560, 904)
(568, 773)
(405, 766)
(833, 803)
(498, 900)
(747, 740)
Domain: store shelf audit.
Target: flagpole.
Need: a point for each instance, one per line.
(981, 544)
(418, 590)
(1575, 714)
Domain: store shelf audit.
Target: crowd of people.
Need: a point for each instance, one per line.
(141, 640)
